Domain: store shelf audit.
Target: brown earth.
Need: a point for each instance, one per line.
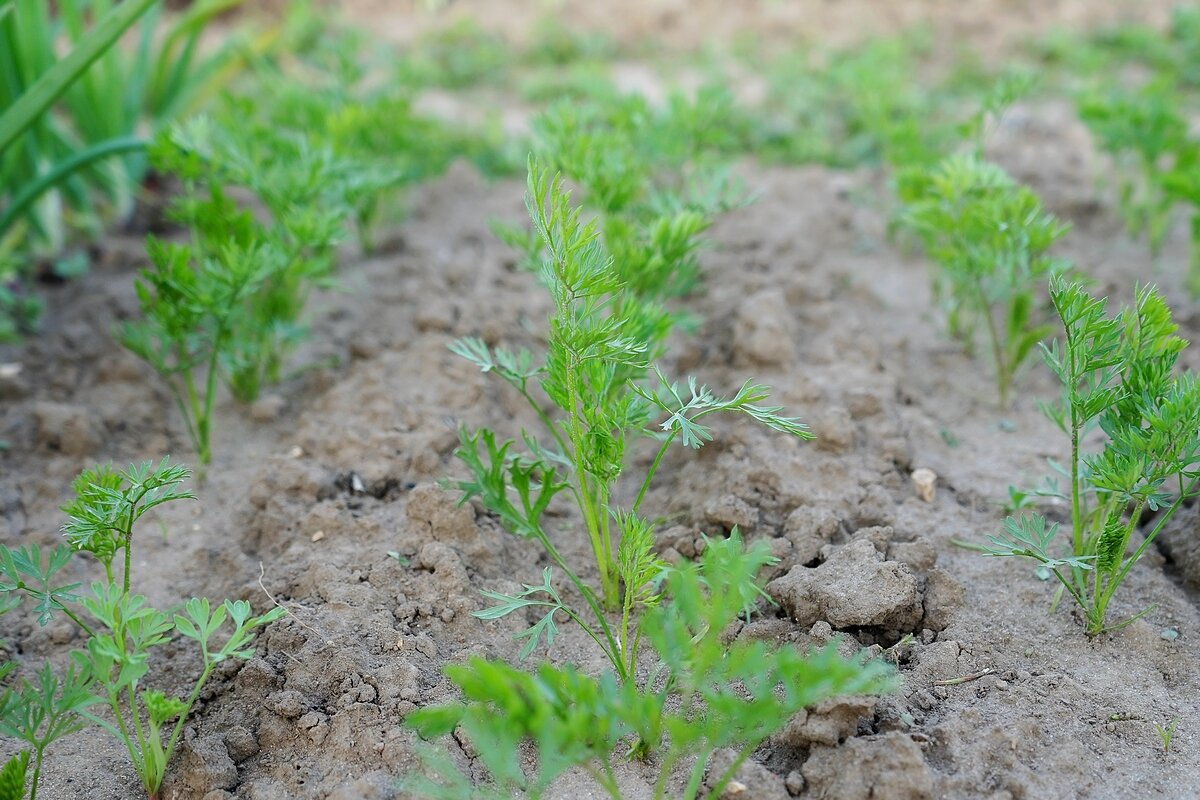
(804, 292)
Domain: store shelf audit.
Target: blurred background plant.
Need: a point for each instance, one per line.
(76, 161)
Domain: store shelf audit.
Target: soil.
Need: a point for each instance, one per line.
(310, 489)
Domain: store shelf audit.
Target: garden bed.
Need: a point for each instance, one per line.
(310, 491)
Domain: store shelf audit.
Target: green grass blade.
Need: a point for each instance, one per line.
(64, 169)
(50, 86)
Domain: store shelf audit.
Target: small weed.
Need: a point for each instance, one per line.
(1166, 734)
(1018, 500)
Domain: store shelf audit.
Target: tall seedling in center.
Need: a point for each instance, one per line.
(602, 341)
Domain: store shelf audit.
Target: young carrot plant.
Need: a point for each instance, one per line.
(227, 306)
(860, 105)
(1117, 375)
(655, 178)
(330, 99)
(305, 188)
(191, 299)
(603, 339)
(38, 713)
(1183, 186)
(1145, 129)
(1145, 133)
(122, 629)
(989, 239)
(458, 56)
(706, 694)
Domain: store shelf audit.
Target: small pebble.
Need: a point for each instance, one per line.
(924, 481)
(1001, 685)
(318, 536)
(1169, 634)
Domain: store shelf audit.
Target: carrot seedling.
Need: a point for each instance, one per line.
(226, 306)
(708, 694)
(1118, 376)
(596, 376)
(655, 178)
(39, 713)
(989, 239)
(122, 629)
(1144, 132)
(191, 298)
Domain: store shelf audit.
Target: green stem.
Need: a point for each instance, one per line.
(662, 451)
(199, 434)
(191, 701)
(1075, 593)
(1076, 502)
(612, 649)
(128, 556)
(210, 392)
(633, 650)
(38, 750)
(181, 403)
(114, 701)
(588, 502)
(83, 625)
(550, 426)
(726, 776)
(605, 530)
(77, 161)
(997, 350)
(697, 774)
(137, 726)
